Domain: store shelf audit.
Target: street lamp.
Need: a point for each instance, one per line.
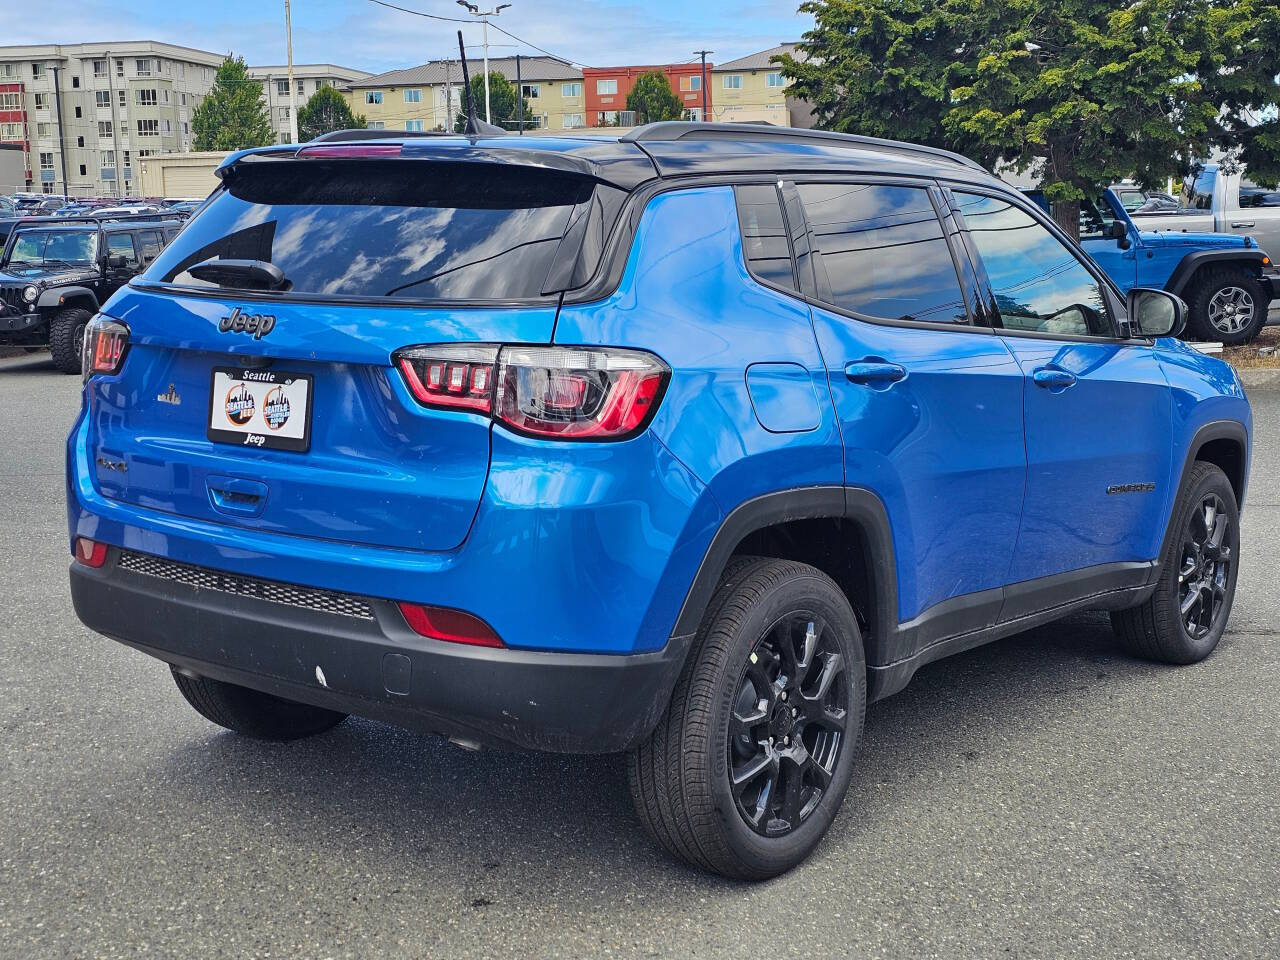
(484, 16)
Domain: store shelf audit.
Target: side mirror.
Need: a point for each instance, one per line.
(117, 261)
(1119, 231)
(1156, 313)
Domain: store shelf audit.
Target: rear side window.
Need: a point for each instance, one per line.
(151, 244)
(764, 235)
(1252, 195)
(883, 252)
(401, 229)
(121, 245)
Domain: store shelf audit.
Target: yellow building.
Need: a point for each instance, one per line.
(426, 97)
(752, 89)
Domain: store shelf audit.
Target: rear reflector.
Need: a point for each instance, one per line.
(453, 626)
(90, 553)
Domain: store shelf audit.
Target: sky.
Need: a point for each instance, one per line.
(363, 35)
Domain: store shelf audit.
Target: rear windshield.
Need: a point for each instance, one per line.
(404, 229)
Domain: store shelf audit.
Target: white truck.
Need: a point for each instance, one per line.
(1217, 202)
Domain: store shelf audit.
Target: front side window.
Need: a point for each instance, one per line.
(1197, 189)
(764, 235)
(121, 245)
(1037, 281)
(883, 252)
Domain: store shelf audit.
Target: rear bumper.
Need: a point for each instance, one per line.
(374, 666)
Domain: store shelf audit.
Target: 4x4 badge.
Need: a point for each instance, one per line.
(171, 397)
(258, 324)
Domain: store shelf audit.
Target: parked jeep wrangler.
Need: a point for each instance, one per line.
(54, 274)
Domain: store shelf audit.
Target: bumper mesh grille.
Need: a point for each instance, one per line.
(202, 578)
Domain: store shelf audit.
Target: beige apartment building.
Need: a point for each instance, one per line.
(427, 97)
(86, 113)
(307, 78)
(752, 89)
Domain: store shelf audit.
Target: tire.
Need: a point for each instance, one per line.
(66, 337)
(254, 714)
(1226, 292)
(1200, 574)
(680, 778)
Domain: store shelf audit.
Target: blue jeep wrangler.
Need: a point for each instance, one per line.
(1223, 278)
(688, 444)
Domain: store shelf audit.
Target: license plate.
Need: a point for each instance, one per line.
(262, 409)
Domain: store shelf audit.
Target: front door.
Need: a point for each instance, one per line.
(1098, 408)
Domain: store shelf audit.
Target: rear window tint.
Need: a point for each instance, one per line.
(387, 229)
(764, 235)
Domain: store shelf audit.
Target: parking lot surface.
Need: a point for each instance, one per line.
(1043, 796)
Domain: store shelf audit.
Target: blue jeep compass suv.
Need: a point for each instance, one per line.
(688, 444)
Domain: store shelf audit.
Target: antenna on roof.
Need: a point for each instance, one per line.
(473, 122)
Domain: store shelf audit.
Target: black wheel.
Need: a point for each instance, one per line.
(66, 338)
(1185, 617)
(745, 772)
(252, 713)
(1227, 305)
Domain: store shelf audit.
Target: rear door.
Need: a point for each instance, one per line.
(929, 403)
(1098, 408)
(281, 410)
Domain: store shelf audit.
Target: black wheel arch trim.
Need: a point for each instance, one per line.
(1183, 273)
(67, 298)
(1232, 430)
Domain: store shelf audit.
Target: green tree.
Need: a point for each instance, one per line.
(652, 98)
(1090, 91)
(233, 116)
(326, 111)
(502, 102)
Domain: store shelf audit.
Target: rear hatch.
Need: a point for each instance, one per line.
(280, 409)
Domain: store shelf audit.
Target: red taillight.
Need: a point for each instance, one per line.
(453, 626)
(90, 553)
(356, 151)
(105, 343)
(569, 393)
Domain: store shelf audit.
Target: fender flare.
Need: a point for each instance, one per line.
(1188, 265)
(856, 504)
(56, 297)
(1214, 430)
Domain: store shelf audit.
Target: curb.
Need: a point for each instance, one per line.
(1256, 377)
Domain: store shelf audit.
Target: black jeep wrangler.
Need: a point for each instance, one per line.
(54, 274)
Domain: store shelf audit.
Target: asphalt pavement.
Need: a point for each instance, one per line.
(1043, 796)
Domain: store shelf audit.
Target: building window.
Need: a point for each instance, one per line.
(6, 70)
(530, 91)
(148, 128)
(573, 121)
(10, 131)
(186, 128)
(108, 158)
(608, 118)
(373, 97)
(166, 127)
(102, 98)
(733, 81)
(119, 68)
(99, 68)
(46, 161)
(84, 172)
(126, 157)
(775, 79)
(375, 125)
(143, 153)
(44, 130)
(691, 82)
(42, 102)
(693, 114)
(78, 113)
(573, 89)
(37, 70)
(282, 87)
(165, 95)
(143, 67)
(302, 87)
(413, 96)
(321, 84)
(75, 83)
(184, 99)
(79, 141)
(284, 113)
(606, 87)
(413, 126)
(147, 98)
(104, 128)
(13, 101)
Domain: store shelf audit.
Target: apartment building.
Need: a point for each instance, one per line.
(429, 96)
(607, 89)
(752, 89)
(307, 78)
(85, 113)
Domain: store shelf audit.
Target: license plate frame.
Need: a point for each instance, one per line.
(256, 431)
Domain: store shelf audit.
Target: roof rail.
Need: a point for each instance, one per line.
(109, 218)
(669, 130)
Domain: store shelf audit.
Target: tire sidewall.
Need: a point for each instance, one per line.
(1213, 482)
(807, 595)
(1205, 292)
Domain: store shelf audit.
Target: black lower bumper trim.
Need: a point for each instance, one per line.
(379, 668)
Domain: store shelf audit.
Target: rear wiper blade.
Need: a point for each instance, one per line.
(241, 274)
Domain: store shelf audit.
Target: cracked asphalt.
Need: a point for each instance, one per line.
(1043, 796)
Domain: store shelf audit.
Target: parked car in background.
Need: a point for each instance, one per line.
(56, 272)
(689, 443)
(130, 210)
(7, 207)
(1134, 198)
(1224, 279)
(1214, 201)
(40, 205)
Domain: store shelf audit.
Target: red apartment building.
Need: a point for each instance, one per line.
(606, 89)
(13, 125)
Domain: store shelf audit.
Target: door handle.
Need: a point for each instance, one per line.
(1051, 378)
(874, 372)
(1242, 223)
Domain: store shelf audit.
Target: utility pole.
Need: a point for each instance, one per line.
(706, 116)
(484, 18)
(519, 98)
(293, 90)
(449, 115)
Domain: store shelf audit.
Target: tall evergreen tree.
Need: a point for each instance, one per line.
(652, 98)
(326, 111)
(234, 114)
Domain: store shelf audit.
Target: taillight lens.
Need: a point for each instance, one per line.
(568, 393)
(91, 553)
(453, 626)
(105, 344)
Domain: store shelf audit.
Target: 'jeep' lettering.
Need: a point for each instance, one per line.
(258, 324)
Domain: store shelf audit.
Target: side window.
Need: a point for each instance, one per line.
(764, 236)
(121, 245)
(1197, 190)
(1252, 195)
(883, 252)
(151, 244)
(1038, 282)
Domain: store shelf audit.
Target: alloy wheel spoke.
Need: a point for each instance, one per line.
(808, 649)
(744, 724)
(764, 762)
